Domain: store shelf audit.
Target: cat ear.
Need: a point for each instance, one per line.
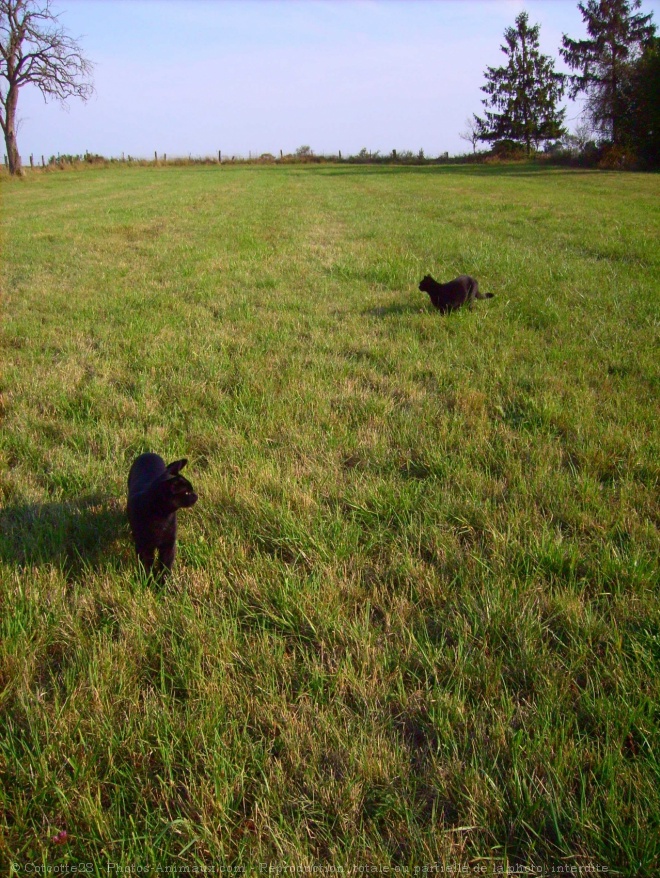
(175, 468)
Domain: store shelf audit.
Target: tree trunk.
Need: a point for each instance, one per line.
(9, 128)
(13, 156)
(615, 98)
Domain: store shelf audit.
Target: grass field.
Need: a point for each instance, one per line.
(414, 617)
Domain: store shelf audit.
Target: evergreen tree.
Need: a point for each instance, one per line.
(523, 96)
(643, 94)
(617, 36)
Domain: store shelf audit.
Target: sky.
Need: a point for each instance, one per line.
(192, 77)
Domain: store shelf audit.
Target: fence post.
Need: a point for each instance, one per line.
(219, 156)
(31, 161)
(43, 163)
(155, 156)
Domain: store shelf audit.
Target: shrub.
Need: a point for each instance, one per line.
(617, 158)
(508, 149)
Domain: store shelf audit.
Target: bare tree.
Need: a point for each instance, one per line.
(471, 132)
(583, 133)
(35, 49)
(578, 140)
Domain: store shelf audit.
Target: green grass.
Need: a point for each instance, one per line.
(414, 616)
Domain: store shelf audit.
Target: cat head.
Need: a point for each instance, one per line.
(175, 490)
(426, 283)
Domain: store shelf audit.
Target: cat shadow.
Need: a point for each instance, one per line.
(395, 309)
(75, 535)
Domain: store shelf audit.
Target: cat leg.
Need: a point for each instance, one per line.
(167, 553)
(146, 558)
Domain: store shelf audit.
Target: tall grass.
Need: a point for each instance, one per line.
(414, 616)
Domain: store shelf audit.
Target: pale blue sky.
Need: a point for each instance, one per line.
(195, 76)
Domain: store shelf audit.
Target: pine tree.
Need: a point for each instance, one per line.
(523, 96)
(643, 94)
(617, 36)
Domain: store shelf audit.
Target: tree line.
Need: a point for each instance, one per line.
(616, 67)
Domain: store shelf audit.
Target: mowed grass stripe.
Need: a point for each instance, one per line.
(414, 615)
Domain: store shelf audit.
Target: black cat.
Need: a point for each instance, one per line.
(460, 291)
(155, 492)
